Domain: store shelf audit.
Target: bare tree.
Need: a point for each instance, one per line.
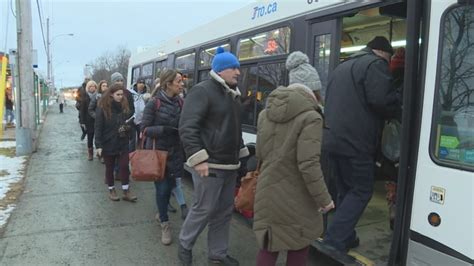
(457, 72)
(110, 62)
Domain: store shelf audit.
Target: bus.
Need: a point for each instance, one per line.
(434, 222)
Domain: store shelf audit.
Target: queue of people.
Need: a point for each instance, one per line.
(202, 134)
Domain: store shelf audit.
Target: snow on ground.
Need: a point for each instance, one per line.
(11, 172)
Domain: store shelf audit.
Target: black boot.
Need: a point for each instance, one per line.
(184, 211)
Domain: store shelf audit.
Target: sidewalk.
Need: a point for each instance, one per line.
(65, 217)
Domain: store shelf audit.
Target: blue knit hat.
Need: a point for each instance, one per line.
(224, 60)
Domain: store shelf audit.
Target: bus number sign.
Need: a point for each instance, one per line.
(437, 195)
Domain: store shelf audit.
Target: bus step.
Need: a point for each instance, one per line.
(354, 257)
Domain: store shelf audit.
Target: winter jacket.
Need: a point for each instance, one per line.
(210, 127)
(107, 135)
(157, 116)
(84, 117)
(359, 97)
(93, 105)
(290, 187)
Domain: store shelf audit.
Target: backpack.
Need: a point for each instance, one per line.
(391, 138)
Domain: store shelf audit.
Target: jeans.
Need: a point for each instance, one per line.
(9, 114)
(355, 186)
(178, 192)
(163, 193)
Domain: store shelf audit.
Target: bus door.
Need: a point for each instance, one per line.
(440, 229)
(322, 47)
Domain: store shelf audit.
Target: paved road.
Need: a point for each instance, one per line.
(64, 215)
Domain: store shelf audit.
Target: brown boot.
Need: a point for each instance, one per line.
(90, 155)
(128, 196)
(113, 195)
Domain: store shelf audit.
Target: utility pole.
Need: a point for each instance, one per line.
(48, 55)
(26, 128)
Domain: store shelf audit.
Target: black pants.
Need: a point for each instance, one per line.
(355, 186)
(61, 107)
(90, 137)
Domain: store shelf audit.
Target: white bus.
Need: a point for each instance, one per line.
(435, 201)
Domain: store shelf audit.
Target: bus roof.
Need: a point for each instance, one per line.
(253, 16)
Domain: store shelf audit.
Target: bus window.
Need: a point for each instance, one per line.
(452, 133)
(147, 74)
(206, 56)
(247, 86)
(270, 76)
(135, 74)
(203, 75)
(274, 42)
(322, 47)
(185, 62)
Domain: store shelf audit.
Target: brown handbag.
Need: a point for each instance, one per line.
(148, 165)
(246, 196)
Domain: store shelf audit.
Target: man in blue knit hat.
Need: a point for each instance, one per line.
(211, 134)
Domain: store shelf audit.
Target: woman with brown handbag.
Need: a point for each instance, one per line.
(111, 138)
(160, 119)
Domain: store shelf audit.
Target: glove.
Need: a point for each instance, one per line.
(98, 152)
(170, 130)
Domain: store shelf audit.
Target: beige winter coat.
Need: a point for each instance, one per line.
(290, 188)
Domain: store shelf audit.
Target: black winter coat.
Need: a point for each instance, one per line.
(210, 125)
(107, 131)
(155, 120)
(84, 117)
(359, 97)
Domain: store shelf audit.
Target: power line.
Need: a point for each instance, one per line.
(41, 23)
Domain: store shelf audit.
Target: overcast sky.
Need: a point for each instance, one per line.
(100, 26)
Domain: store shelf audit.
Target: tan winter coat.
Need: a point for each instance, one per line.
(290, 188)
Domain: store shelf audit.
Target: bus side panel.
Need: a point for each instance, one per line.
(456, 208)
(419, 255)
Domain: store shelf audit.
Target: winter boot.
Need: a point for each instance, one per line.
(165, 233)
(184, 211)
(185, 256)
(90, 154)
(128, 196)
(113, 195)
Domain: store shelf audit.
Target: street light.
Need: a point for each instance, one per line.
(50, 56)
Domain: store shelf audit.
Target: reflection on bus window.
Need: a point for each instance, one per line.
(206, 56)
(453, 130)
(274, 42)
(322, 47)
(248, 88)
(270, 76)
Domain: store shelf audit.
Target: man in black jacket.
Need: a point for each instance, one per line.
(211, 134)
(359, 98)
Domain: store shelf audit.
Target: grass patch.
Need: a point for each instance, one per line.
(8, 152)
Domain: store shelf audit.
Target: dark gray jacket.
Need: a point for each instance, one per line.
(155, 118)
(93, 105)
(210, 126)
(359, 97)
